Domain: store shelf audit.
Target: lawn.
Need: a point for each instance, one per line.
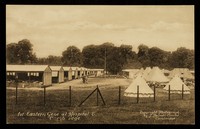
(30, 107)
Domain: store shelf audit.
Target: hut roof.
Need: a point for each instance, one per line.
(55, 68)
(26, 68)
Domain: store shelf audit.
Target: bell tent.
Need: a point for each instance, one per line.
(176, 86)
(144, 89)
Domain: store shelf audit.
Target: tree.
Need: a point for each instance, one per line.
(157, 56)
(50, 60)
(12, 53)
(125, 53)
(182, 58)
(90, 57)
(71, 56)
(20, 53)
(114, 61)
(143, 55)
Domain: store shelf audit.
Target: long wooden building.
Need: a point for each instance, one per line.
(41, 73)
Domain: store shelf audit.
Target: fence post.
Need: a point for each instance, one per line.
(169, 93)
(16, 93)
(154, 93)
(119, 95)
(182, 90)
(44, 95)
(70, 96)
(97, 96)
(137, 94)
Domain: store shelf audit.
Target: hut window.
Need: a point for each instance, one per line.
(37, 74)
(54, 74)
(13, 73)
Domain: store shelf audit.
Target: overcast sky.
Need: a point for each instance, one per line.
(51, 29)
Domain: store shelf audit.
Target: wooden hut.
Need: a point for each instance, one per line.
(74, 72)
(80, 72)
(84, 71)
(57, 74)
(40, 73)
(67, 73)
(98, 72)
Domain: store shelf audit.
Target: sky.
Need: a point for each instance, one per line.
(52, 28)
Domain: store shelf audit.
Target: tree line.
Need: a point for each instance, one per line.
(106, 55)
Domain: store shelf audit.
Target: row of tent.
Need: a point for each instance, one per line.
(155, 75)
(176, 86)
(48, 74)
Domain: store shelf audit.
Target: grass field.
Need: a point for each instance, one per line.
(31, 109)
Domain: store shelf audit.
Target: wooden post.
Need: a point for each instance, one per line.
(154, 93)
(101, 96)
(97, 96)
(16, 93)
(182, 90)
(119, 95)
(88, 97)
(137, 94)
(44, 95)
(169, 93)
(70, 96)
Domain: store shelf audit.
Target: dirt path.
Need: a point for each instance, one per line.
(92, 83)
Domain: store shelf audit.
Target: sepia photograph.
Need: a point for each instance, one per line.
(100, 64)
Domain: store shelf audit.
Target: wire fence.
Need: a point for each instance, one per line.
(97, 96)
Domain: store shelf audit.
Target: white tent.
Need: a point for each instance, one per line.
(144, 89)
(139, 73)
(156, 75)
(146, 72)
(182, 72)
(176, 86)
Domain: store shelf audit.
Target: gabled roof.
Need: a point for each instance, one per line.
(97, 69)
(66, 68)
(26, 68)
(56, 68)
(74, 68)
